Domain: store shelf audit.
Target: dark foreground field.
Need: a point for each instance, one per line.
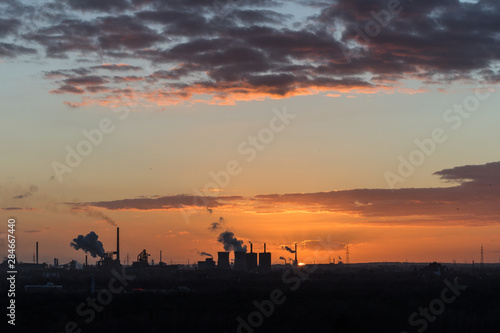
(328, 301)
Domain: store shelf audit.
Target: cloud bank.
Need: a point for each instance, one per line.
(224, 52)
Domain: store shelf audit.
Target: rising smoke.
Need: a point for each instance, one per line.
(99, 215)
(217, 225)
(288, 249)
(231, 243)
(89, 244)
(206, 254)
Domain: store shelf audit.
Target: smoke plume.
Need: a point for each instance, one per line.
(206, 254)
(288, 249)
(99, 215)
(217, 225)
(89, 244)
(231, 243)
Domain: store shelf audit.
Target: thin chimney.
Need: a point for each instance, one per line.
(37, 252)
(118, 244)
(264, 247)
(296, 254)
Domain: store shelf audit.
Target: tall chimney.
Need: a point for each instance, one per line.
(251, 248)
(86, 261)
(118, 244)
(37, 252)
(264, 247)
(296, 263)
(160, 258)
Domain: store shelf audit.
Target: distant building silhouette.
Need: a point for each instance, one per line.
(251, 259)
(265, 260)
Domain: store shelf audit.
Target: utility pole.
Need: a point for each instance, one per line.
(347, 253)
(482, 257)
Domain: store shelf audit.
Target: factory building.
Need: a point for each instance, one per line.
(208, 263)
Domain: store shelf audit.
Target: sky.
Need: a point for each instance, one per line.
(323, 123)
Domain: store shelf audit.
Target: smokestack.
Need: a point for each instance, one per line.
(296, 262)
(86, 261)
(251, 248)
(160, 257)
(118, 244)
(264, 247)
(37, 252)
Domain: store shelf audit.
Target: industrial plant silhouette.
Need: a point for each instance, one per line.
(242, 291)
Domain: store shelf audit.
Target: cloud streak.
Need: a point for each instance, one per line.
(473, 201)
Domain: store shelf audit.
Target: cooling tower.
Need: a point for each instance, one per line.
(240, 261)
(251, 260)
(223, 260)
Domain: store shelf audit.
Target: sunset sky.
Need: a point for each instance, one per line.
(373, 123)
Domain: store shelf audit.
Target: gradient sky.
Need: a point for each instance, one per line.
(186, 85)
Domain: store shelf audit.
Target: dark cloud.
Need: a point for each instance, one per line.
(99, 5)
(9, 50)
(67, 73)
(65, 89)
(165, 202)
(258, 16)
(486, 174)
(254, 49)
(117, 67)
(8, 26)
(86, 80)
(126, 32)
